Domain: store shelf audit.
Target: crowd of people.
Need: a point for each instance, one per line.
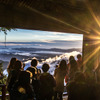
(34, 84)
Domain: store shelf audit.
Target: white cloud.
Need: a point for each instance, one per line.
(28, 36)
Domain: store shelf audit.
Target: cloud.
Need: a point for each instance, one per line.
(48, 41)
(12, 44)
(33, 35)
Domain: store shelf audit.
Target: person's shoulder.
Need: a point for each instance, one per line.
(45, 75)
(50, 76)
(25, 73)
(30, 68)
(42, 76)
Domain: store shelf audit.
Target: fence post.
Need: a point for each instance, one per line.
(3, 86)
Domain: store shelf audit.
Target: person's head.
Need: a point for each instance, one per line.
(79, 57)
(34, 62)
(63, 65)
(71, 58)
(45, 67)
(12, 63)
(18, 65)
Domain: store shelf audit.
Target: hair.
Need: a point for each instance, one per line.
(12, 63)
(73, 64)
(79, 56)
(71, 58)
(34, 62)
(63, 65)
(45, 67)
(18, 65)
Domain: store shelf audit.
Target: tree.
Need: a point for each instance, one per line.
(5, 29)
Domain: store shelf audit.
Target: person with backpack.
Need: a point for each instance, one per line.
(19, 87)
(47, 84)
(35, 73)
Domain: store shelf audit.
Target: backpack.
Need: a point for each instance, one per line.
(15, 94)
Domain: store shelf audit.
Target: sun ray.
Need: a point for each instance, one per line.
(56, 19)
(95, 40)
(93, 37)
(95, 43)
(90, 56)
(93, 15)
(96, 31)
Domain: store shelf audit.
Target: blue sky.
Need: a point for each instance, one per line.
(21, 35)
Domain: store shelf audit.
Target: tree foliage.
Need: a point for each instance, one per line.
(5, 29)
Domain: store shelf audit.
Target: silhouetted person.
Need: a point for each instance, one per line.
(59, 75)
(11, 64)
(13, 76)
(91, 82)
(33, 68)
(35, 72)
(22, 88)
(78, 89)
(73, 69)
(19, 85)
(90, 76)
(47, 83)
(70, 58)
(79, 62)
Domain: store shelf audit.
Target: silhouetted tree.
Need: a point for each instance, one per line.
(5, 29)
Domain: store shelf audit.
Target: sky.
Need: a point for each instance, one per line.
(21, 35)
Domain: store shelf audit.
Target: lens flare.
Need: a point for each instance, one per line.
(92, 54)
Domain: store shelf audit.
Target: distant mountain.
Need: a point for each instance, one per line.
(52, 49)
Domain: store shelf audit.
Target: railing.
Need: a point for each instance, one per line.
(3, 96)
